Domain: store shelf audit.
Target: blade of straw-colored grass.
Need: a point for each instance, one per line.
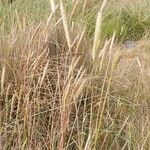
(37, 59)
(74, 41)
(142, 147)
(87, 144)
(84, 6)
(124, 146)
(24, 24)
(71, 68)
(104, 140)
(44, 73)
(125, 122)
(97, 34)
(18, 21)
(80, 40)
(65, 24)
(112, 42)
(7, 102)
(73, 10)
(24, 144)
(102, 103)
(12, 106)
(80, 86)
(102, 55)
(104, 48)
(3, 77)
(53, 5)
(116, 59)
(50, 18)
(139, 63)
(36, 30)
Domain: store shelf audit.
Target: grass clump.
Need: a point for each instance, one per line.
(63, 89)
(36, 11)
(130, 21)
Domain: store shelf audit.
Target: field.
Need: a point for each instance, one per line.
(75, 75)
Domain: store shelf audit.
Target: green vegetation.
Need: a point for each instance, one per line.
(68, 81)
(129, 21)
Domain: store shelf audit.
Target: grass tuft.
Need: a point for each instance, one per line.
(68, 81)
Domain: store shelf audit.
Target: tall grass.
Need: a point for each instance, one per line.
(63, 89)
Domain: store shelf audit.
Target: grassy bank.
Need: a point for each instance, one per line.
(67, 80)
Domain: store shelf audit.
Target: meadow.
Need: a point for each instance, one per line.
(75, 75)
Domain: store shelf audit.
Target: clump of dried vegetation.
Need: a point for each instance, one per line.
(63, 88)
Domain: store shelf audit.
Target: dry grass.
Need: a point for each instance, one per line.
(61, 89)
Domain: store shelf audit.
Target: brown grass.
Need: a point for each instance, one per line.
(54, 95)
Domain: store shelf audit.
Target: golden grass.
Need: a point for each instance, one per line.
(97, 35)
(58, 92)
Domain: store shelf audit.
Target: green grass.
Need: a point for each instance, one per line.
(130, 22)
(68, 82)
(35, 11)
